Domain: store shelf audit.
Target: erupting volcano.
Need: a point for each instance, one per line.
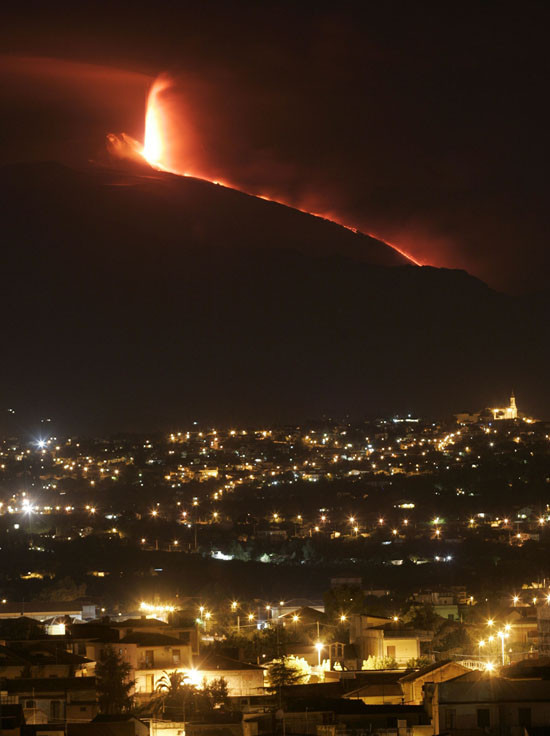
(162, 132)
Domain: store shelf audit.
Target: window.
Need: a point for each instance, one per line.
(175, 656)
(450, 718)
(483, 717)
(149, 658)
(30, 704)
(55, 710)
(390, 652)
(524, 717)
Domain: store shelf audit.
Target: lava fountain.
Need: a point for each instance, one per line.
(159, 127)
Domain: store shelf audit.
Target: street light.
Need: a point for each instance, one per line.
(343, 618)
(502, 636)
(319, 646)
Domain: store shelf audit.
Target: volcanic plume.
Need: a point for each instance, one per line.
(171, 144)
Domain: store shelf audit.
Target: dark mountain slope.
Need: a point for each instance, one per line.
(131, 301)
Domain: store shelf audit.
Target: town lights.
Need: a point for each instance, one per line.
(150, 608)
(295, 618)
(343, 618)
(515, 599)
(27, 507)
(234, 605)
(251, 617)
(489, 666)
(490, 622)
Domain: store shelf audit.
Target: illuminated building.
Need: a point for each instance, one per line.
(508, 412)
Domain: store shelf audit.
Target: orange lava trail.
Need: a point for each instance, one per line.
(153, 151)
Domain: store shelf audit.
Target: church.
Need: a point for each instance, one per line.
(507, 412)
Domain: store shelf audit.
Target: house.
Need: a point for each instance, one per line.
(106, 725)
(151, 655)
(187, 635)
(149, 646)
(243, 679)
(480, 702)
(12, 720)
(374, 636)
(331, 716)
(378, 688)
(53, 699)
(42, 610)
(40, 659)
(414, 682)
(306, 615)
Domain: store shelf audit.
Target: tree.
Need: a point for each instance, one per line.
(379, 663)
(419, 662)
(282, 672)
(113, 683)
(174, 695)
(216, 691)
(344, 599)
(64, 589)
(179, 699)
(424, 617)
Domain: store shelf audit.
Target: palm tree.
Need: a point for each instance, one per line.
(173, 693)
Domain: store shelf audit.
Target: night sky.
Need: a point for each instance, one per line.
(423, 123)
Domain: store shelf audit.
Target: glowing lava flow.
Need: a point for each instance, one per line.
(153, 146)
(154, 152)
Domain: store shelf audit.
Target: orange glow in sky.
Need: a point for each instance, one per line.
(155, 151)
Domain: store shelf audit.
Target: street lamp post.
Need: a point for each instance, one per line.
(319, 646)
